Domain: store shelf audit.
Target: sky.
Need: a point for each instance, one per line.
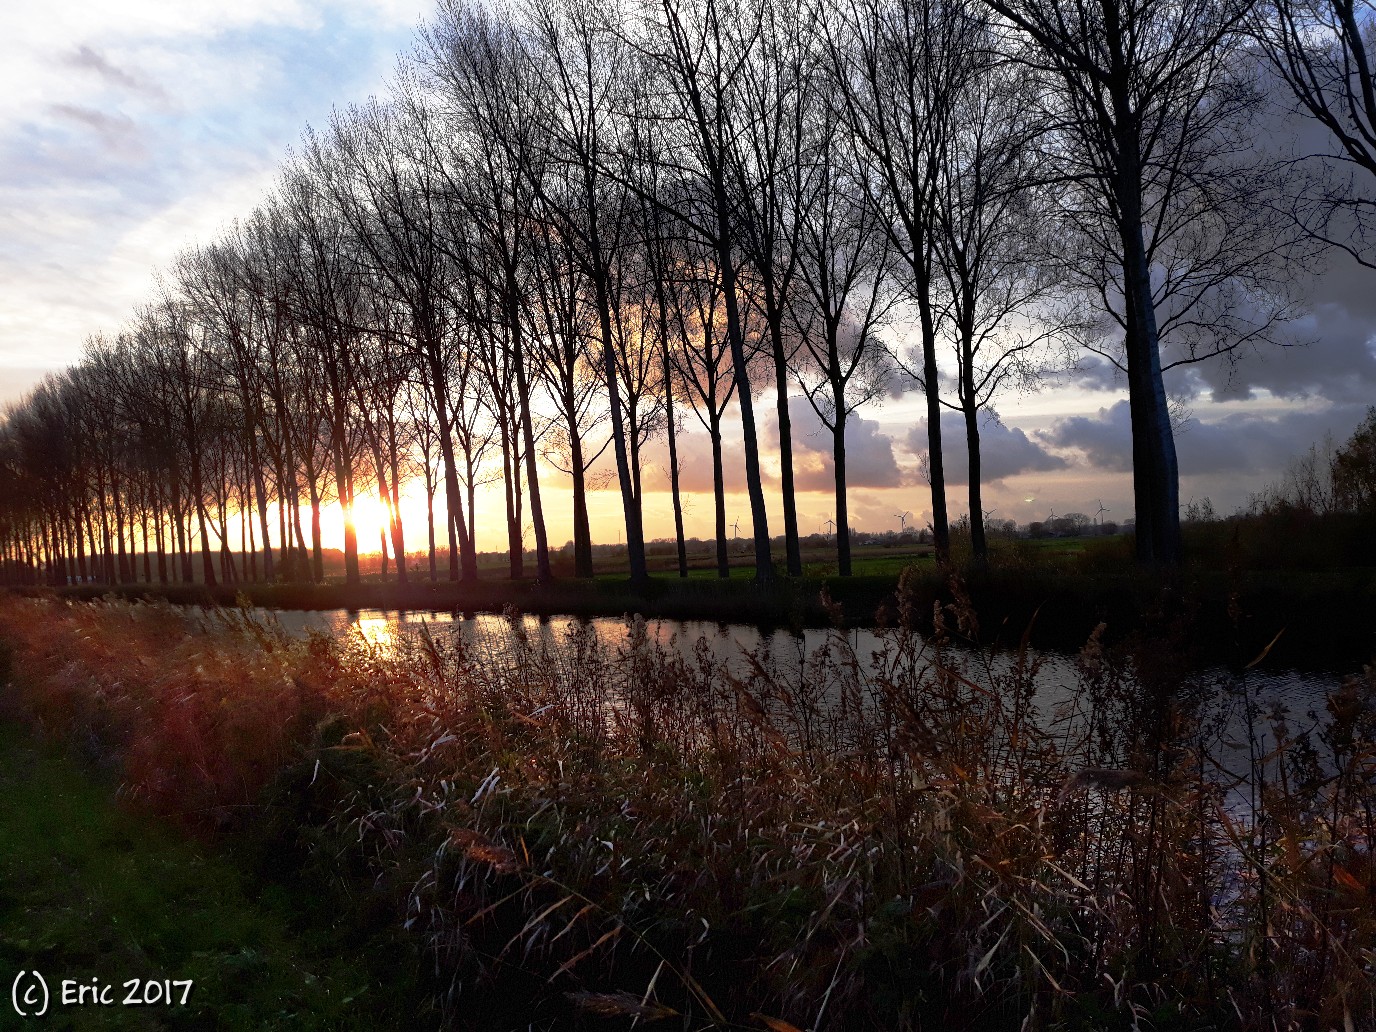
(129, 130)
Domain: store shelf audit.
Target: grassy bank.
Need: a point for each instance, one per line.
(579, 837)
(96, 892)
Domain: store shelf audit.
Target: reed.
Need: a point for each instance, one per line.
(919, 837)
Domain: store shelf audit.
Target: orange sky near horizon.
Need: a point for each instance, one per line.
(873, 507)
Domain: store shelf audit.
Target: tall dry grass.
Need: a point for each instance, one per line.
(920, 837)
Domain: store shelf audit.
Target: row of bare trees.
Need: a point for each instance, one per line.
(572, 227)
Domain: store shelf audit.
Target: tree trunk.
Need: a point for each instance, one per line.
(635, 532)
(764, 561)
(662, 303)
(838, 461)
(461, 547)
(515, 546)
(147, 545)
(936, 467)
(1155, 472)
(181, 541)
(398, 531)
(343, 479)
(260, 493)
(159, 528)
(317, 546)
(719, 501)
(792, 546)
(125, 573)
(198, 494)
(537, 511)
(430, 526)
(979, 546)
(582, 531)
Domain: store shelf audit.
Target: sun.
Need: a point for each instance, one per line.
(370, 519)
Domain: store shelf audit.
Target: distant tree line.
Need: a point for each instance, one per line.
(574, 226)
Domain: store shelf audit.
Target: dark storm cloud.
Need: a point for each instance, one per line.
(1095, 373)
(1105, 438)
(1330, 353)
(1005, 451)
(1239, 442)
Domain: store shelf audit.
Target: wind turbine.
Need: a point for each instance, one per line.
(831, 527)
(736, 529)
(902, 518)
(1100, 514)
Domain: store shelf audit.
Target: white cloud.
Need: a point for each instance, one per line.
(129, 129)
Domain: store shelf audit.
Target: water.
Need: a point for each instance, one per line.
(1298, 691)
(1236, 713)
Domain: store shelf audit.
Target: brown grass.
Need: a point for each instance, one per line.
(641, 833)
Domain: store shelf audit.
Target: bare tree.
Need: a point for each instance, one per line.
(657, 269)
(389, 199)
(328, 294)
(213, 279)
(570, 373)
(898, 69)
(1143, 101)
(167, 351)
(844, 269)
(764, 168)
(993, 240)
(702, 362)
(700, 48)
(489, 97)
(579, 64)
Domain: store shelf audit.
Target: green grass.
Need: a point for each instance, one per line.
(89, 890)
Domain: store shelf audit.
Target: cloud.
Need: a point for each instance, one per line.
(1105, 438)
(1330, 351)
(1324, 347)
(1005, 451)
(1259, 444)
(1326, 350)
(695, 462)
(870, 459)
(107, 170)
(694, 448)
(117, 136)
(92, 118)
(88, 59)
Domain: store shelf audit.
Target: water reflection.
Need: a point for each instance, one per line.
(1235, 716)
(728, 645)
